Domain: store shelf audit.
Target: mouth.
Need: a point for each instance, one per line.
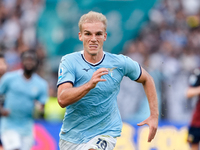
(93, 46)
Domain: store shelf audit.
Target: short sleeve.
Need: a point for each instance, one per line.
(65, 72)
(132, 68)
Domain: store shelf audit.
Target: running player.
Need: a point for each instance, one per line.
(88, 85)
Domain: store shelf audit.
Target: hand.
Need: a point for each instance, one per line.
(96, 77)
(152, 122)
(4, 112)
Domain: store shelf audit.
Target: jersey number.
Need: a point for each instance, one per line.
(101, 144)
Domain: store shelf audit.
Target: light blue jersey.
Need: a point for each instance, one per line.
(97, 112)
(20, 95)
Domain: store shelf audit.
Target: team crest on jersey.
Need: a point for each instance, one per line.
(111, 70)
(60, 73)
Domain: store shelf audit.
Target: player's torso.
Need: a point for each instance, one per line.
(103, 97)
(102, 100)
(84, 71)
(97, 111)
(21, 95)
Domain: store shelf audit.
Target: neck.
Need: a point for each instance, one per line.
(93, 58)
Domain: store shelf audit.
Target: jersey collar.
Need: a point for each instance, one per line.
(93, 64)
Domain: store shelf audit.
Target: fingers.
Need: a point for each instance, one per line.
(141, 123)
(152, 133)
(102, 70)
(96, 77)
(152, 123)
(99, 73)
(102, 73)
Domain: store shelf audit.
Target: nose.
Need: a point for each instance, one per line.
(93, 38)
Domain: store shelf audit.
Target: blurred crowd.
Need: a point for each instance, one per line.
(168, 46)
(18, 33)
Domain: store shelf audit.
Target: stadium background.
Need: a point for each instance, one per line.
(162, 35)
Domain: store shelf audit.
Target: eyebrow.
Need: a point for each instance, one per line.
(90, 32)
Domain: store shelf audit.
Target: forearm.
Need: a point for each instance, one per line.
(193, 91)
(67, 94)
(71, 95)
(150, 91)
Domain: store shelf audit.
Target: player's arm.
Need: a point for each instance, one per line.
(193, 91)
(150, 90)
(67, 94)
(39, 108)
(5, 80)
(3, 111)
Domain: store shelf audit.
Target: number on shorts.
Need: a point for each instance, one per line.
(101, 144)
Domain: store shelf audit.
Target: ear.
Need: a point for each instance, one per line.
(105, 36)
(80, 36)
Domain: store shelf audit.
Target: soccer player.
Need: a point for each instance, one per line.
(21, 88)
(88, 85)
(3, 69)
(194, 128)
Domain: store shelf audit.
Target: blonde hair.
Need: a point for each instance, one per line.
(92, 17)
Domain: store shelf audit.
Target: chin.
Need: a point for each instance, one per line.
(29, 71)
(94, 52)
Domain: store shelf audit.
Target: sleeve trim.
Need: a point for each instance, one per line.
(65, 82)
(139, 74)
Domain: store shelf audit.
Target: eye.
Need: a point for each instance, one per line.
(99, 33)
(87, 33)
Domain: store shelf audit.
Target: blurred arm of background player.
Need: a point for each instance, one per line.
(3, 112)
(3, 69)
(39, 110)
(150, 90)
(193, 91)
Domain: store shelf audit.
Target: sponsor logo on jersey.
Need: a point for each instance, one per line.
(86, 69)
(60, 73)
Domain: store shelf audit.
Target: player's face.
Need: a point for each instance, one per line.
(93, 36)
(3, 66)
(29, 63)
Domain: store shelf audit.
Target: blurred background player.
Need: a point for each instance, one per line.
(22, 88)
(194, 128)
(3, 69)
